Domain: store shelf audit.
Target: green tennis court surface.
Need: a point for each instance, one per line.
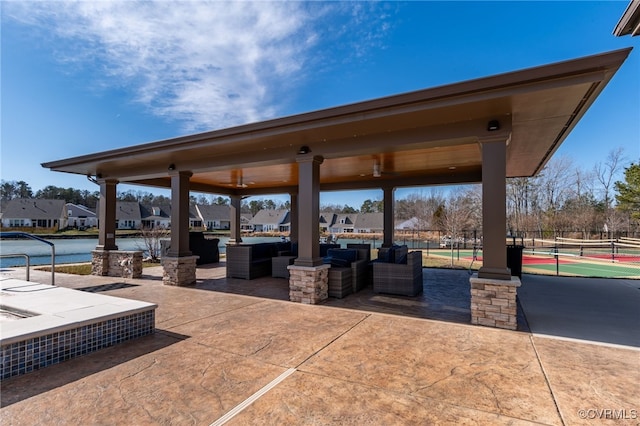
(568, 264)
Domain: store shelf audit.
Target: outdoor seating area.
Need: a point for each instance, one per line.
(395, 271)
(249, 261)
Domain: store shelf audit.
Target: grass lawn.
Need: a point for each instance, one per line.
(83, 268)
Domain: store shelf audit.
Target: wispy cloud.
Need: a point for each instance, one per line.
(207, 64)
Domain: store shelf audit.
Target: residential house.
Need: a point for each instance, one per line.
(272, 220)
(81, 217)
(326, 219)
(343, 223)
(35, 213)
(369, 223)
(128, 215)
(413, 224)
(214, 216)
(245, 221)
(155, 216)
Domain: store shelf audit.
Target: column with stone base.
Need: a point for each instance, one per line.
(116, 263)
(179, 271)
(493, 302)
(308, 284)
(100, 263)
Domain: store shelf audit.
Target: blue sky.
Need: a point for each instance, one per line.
(83, 77)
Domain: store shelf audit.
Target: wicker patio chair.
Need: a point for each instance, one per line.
(399, 278)
(280, 266)
(360, 269)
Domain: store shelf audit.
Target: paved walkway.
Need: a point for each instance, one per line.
(216, 352)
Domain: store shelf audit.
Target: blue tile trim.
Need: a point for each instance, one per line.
(38, 352)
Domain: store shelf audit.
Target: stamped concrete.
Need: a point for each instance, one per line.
(213, 351)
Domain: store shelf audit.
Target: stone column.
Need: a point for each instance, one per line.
(493, 289)
(180, 214)
(309, 210)
(388, 231)
(235, 235)
(179, 271)
(100, 263)
(308, 285)
(179, 264)
(308, 277)
(493, 302)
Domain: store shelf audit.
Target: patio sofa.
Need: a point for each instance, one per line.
(402, 276)
(249, 261)
(280, 263)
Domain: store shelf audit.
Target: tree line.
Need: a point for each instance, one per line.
(561, 198)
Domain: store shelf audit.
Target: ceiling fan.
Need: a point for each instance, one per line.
(237, 180)
(378, 168)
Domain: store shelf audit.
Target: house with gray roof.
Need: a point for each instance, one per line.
(273, 220)
(369, 223)
(343, 223)
(214, 216)
(35, 213)
(155, 216)
(128, 215)
(326, 219)
(245, 221)
(411, 224)
(81, 217)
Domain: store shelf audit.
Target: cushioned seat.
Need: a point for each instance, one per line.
(279, 266)
(348, 272)
(399, 278)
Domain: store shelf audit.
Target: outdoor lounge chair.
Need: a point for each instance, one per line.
(360, 270)
(399, 278)
(280, 266)
(345, 265)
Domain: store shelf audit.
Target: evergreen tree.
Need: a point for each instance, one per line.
(628, 195)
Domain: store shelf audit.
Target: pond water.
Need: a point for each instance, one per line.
(77, 250)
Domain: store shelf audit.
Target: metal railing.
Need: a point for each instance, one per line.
(16, 234)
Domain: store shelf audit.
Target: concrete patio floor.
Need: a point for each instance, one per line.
(223, 345)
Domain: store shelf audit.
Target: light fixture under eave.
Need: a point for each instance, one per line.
(376, 169)
(493, 125)
(304, 150)
(171, 167)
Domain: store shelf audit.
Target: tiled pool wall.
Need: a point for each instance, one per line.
(38, 352)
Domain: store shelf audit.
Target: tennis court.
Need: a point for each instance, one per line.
(618, 258)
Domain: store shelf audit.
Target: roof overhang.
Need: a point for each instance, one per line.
(421, 138)
(629, 23)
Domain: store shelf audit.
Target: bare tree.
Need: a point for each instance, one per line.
(607, 171)
(456, 215)
(152, 241)
(554, 184)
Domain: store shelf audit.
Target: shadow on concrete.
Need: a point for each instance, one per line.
(18, 388)
(594, 309)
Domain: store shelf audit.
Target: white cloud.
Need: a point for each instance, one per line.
(207, 64)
